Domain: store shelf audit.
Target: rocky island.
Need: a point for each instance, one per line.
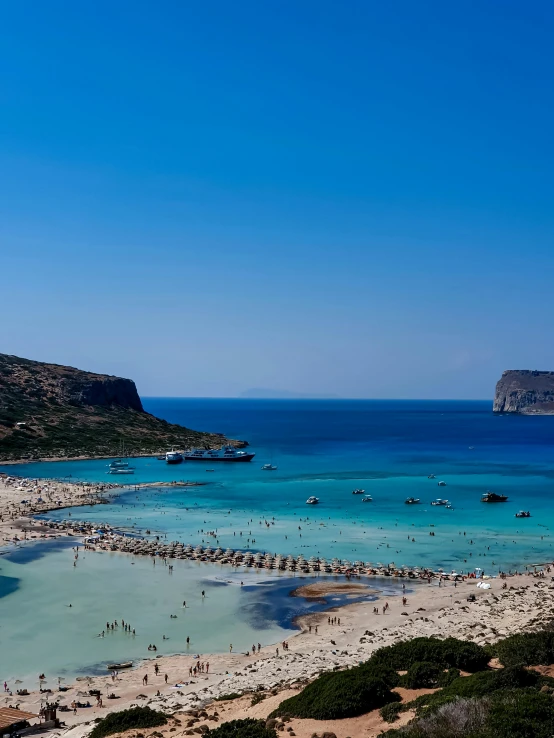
(525, 391)
(52, 411)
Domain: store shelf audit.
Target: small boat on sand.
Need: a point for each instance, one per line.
(119, 665)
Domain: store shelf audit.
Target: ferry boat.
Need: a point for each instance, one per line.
(412, 501)
(173, 457)
(493, 497)
(312, 500)
(225, 453)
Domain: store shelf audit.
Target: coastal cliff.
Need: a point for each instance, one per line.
(525, 391)
(52, 411)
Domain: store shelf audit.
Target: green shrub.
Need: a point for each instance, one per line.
(447, 677)
(336, 695)
(135, 717)
(520, 714)
(531, 649)
(449, 652)
(380, 671)
(482, 684)
(230, 696)
(247, 728)
(390, 712)
(422, 674)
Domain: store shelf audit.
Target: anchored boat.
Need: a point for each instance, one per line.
(493, 497)
(225, 453)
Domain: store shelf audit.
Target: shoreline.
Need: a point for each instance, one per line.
(436, 607)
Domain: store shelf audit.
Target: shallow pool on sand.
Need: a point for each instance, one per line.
(40, 632)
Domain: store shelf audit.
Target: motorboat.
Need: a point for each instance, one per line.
(173, 457)
(225, 453)
(367, 498)
(312, 500)
(431, 476)
(412, 501)
(130, 470)
(523, 514)
(358, 491)
(440, 503)
(441, 484)
(269, 467)
(119, 464)
(493, 497)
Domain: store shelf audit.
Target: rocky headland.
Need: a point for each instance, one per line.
(49, 411)
(525, 391)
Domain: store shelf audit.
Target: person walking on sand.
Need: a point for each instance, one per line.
(207, 667)
(145, 680)
(230, 648)
(165, 677)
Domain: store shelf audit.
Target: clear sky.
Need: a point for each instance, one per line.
(346, 198)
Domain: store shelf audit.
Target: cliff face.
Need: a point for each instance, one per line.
(525, 391)
(49, 411)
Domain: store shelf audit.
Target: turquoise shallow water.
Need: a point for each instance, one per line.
(321, 448)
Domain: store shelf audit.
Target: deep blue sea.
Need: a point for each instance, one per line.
(322, 448)
(326, 448)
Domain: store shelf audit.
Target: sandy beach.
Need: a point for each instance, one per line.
(336, 638)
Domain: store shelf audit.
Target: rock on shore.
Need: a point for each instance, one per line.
(525, 391)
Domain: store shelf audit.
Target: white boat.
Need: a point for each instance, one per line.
(120, 464)
(269, 467)
(367, 498)
(173, 457)
(441, 484)
(312, 500)
(440, 503)
(130, 470)
(358, 491)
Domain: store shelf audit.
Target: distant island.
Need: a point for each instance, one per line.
(261, 393)
(525, 391)
(50, 411)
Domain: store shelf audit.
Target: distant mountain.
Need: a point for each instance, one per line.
(525, 391)
(49, 411)
(272, 394)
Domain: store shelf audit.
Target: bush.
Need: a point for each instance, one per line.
(230, 696)
(422, 674)
(447, 677)
(386, 673)
(449, 652)
(520, 714)
(530, 649)
(336, 695)
(390, 712)
(135, 717)
(247, 728)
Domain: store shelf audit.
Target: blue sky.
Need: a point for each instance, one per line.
(352, 199)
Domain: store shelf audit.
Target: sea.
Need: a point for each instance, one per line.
(325, 448)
